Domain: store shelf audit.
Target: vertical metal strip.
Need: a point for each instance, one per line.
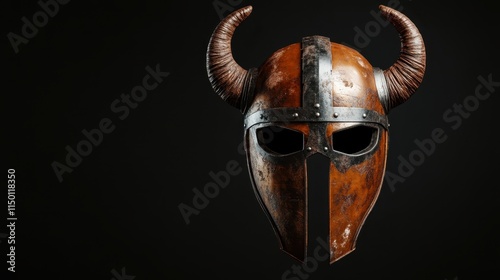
(317, 82)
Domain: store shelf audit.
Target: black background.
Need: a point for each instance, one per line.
(118, 208)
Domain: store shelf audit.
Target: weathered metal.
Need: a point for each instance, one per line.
(312, 97)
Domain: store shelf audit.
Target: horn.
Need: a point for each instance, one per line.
(406, 74)
(228, 79)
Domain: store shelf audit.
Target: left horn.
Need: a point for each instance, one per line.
(229, 80)
(406, 74)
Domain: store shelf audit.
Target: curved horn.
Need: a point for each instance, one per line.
(406, 74)
(229, 80)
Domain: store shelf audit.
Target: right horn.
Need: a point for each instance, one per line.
(406, 74)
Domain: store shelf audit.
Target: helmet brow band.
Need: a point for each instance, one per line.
(316, 114)
(317, 88)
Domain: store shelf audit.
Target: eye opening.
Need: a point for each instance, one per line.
(280, 140)
(355, 140)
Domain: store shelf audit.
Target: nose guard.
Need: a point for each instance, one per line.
(279, 177)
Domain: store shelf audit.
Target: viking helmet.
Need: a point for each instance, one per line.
(316, 97)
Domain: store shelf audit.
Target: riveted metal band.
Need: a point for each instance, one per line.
(326, 114)
(317, 81)
(317, 87)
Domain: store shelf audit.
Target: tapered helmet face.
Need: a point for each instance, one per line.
(316, 97)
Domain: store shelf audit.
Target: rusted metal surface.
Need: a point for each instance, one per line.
(321, 91)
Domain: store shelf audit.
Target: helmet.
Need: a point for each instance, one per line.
(316, 97)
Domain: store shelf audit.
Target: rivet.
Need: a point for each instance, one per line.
(318, 114)
(325, 148)
(335, 115)
(316, 105)
(309, 148)
(295, 115)
(364, 116)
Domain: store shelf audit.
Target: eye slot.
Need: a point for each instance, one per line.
(280, 140)
(354, 140)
